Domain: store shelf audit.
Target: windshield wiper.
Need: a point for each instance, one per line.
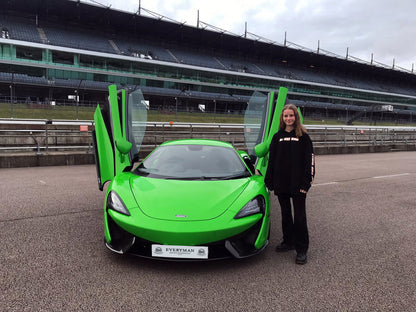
(199, 178)
(195, 178)
(229, 177)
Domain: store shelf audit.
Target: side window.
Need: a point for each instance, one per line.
(254, 122)
(136, 122)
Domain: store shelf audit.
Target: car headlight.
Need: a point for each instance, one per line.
(114, 202)
(254, 206)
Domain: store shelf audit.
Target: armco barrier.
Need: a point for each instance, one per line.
(26, 143)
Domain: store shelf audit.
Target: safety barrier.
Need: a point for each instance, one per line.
(44, 136)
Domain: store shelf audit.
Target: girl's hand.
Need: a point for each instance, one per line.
(303, 191)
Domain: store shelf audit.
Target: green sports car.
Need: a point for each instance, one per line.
(188, 199)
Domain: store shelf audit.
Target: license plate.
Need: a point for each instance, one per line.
(184, 252)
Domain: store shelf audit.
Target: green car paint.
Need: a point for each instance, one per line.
(262, 119)
(209, 206)
(198, 229)
(272, 127)
(110, 141)
(104, 155)
(111, 136)
(174, 211)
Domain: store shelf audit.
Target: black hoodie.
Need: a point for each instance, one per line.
(291, 163)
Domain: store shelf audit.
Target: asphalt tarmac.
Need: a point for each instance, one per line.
(361, 216)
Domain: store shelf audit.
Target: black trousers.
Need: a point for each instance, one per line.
(295, 228)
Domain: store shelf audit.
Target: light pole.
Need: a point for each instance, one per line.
(215, 110)
(11, 101)
(176, 102)
(11, 97)
(176, 109)
(76, 101)
(77, 96)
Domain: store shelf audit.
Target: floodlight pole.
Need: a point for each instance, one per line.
(11, 97)
(11, 101)
(77, 96)
(76, 101)
(215, 110)
(176, 109)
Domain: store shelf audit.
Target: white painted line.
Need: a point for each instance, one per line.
(42, 182)
(391, 176)
(328, 183)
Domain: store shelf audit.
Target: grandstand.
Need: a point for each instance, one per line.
(52, 49)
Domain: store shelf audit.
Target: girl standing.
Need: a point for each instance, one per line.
(289, 174)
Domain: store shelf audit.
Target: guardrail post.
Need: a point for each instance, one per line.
(371, 137)
(48, 122)
(345, 137)
(374, 136)
(38, 152)
(355, 136)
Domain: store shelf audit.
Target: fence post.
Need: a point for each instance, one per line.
(46, 135)
(345, 136)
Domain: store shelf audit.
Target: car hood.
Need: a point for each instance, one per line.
(181, 200)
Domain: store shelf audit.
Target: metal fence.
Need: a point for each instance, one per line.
(363, 135)
(45, 136)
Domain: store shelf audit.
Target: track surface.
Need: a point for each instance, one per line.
(361, 214)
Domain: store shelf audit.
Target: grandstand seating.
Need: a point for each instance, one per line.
(133, 47)
(77, 39)
(20, 29)
(195, 58)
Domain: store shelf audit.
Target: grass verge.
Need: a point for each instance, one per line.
(34, 111)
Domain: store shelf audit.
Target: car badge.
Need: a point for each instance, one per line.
(181, 216)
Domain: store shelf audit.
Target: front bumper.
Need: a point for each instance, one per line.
(241, 245)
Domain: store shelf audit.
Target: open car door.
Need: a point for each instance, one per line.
(261, 123)
(118, 134)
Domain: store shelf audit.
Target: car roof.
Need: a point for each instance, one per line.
(198, 142)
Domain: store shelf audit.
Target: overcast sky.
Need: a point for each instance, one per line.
(384, 28)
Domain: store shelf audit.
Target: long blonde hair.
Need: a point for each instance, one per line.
(299, 128)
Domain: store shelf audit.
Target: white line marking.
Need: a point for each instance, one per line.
(378, 177)
(43, 182)
(328, 183)
(391, 176)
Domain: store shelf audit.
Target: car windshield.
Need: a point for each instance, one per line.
(193, 162)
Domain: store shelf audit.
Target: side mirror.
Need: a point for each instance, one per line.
(123, 146)
(261, 149)
(249, 164)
